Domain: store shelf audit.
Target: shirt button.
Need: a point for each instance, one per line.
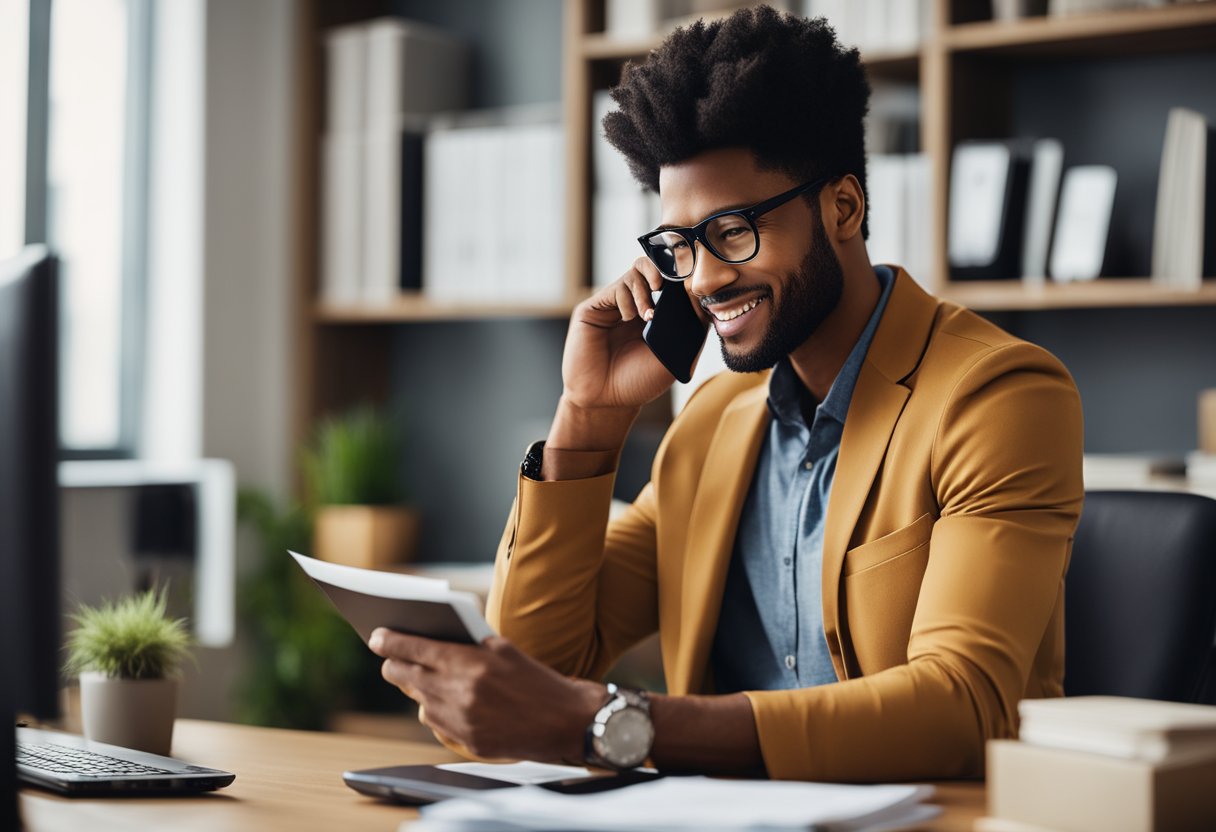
(790, 662)
(787, 561)
(808, 465)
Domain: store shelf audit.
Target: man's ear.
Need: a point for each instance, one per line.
(843, 204)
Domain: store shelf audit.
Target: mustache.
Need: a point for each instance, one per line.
(726, 296)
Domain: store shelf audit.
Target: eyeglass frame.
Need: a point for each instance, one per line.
(696, 233)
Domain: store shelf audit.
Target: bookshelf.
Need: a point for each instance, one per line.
(965, 72)
(964, 76)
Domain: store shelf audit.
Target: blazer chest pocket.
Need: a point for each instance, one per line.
(881, 586)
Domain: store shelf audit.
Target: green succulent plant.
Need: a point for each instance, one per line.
(131, 638)
(354, 459)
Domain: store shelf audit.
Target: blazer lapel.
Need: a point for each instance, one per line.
(712, 524)
(878, 400)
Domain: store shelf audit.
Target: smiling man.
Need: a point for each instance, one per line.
(853, 547)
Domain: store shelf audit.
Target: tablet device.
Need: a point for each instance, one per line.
(419, 785)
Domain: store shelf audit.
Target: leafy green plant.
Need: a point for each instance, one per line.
(131, 638)
(304, 661)
(354, 460)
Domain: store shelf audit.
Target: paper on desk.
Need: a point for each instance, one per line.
(526, 773)
(682, 804)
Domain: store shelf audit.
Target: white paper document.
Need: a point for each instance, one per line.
(687, 803)
(526, 773)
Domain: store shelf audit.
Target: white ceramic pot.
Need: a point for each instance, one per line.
(134, 713)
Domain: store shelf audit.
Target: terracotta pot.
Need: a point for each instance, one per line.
(370, 537)
(134, 713)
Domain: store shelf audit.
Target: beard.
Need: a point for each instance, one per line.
(810, 294)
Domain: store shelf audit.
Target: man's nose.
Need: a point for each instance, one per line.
(710, 274)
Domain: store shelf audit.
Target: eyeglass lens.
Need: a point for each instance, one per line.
(730, 238)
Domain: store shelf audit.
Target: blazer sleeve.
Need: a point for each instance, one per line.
(1006, 469)
(571, 589)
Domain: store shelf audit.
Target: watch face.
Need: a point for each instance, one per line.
(627, 737)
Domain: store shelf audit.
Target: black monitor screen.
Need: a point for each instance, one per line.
(29, 494)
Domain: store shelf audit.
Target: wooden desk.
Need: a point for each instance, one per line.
(292, 780)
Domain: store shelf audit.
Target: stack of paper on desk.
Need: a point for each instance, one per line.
(687, 803)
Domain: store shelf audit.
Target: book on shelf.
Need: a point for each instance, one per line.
(493, 199)
(1105, 470)
(1087, 199)
(988, 183)
(901, 215)
(385, 77)
(876, 26)
(1184, 229)
(1046, 164)
(621, 210)
(1063, 8)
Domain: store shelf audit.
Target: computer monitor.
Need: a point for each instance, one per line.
(30, 623)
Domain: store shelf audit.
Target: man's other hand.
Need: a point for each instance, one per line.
(492, 698)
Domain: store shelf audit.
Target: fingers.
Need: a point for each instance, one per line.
(414, 649)
(630, 296)
(405, 676)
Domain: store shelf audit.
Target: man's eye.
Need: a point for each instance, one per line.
(682, 244)
(733, 232)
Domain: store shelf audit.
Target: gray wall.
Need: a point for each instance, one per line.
(1139, 370)
(517, 45)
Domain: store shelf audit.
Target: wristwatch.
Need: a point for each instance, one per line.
(621, 735)
(533, 457)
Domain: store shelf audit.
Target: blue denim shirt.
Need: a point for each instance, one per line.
(770, 630)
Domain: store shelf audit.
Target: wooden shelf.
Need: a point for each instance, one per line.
(1111, 292)
(600, 47)
(415, 307)
(1171, 28)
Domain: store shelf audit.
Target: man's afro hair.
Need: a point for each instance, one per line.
(778, 85)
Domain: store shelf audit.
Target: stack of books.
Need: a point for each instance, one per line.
(1104, 762)
(494, 202)
(384, 78)
(901, 215)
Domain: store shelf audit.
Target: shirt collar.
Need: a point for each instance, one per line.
(786, 392)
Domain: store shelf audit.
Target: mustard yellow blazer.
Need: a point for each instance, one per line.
(948, 532)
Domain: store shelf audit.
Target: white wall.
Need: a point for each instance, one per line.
(219, 358)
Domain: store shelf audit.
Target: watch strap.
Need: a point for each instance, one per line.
(533, 458)
(618, 699)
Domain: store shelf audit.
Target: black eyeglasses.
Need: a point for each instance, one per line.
(731, 236)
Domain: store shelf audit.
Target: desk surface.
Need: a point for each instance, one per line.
(293, 780)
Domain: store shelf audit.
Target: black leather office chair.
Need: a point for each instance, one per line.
(1140, 597)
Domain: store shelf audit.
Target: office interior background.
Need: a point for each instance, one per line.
(173, 155)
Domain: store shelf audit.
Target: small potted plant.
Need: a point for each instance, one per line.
(127, 653)
(352, 470)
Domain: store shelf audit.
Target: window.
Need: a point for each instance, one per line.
(14, 63)
(89, 205)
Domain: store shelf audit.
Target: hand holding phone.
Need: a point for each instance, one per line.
(676, 333)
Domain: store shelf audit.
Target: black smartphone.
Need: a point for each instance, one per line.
(676, 333)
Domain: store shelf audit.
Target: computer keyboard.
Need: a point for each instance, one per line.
(64, 760)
